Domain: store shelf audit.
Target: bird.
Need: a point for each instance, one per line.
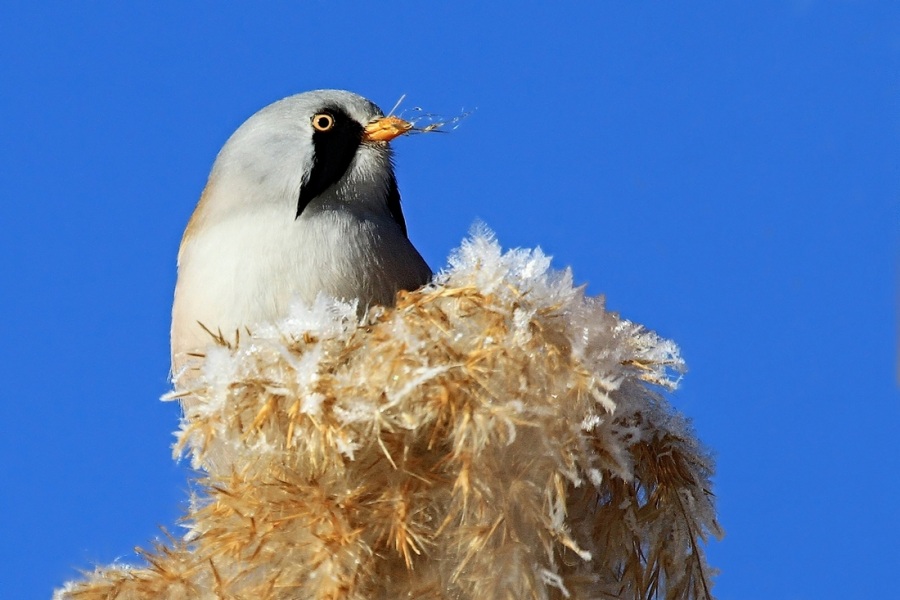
(302, 199)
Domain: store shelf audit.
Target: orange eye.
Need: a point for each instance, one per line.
(322, 122)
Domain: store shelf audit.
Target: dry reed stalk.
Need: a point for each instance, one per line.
(496, 435)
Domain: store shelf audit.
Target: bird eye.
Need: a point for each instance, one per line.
(322, 121)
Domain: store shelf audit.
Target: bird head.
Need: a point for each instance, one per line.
(313, 151)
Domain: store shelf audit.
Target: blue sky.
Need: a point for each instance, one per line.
(724, 172)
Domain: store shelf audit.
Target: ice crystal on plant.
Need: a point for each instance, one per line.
(498, 434)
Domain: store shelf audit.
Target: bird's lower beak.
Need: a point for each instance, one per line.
(385, 129)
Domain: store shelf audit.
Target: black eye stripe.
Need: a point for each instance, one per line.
(335, 143)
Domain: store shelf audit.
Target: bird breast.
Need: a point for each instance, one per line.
(248, 269)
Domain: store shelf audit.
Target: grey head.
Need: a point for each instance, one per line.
(314, 151)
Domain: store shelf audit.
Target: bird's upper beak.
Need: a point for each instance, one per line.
(385, 129)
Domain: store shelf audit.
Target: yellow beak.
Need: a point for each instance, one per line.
(385, 129)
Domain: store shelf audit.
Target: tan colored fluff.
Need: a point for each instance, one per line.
(497, 435)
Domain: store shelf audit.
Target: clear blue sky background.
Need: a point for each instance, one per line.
(725, 172)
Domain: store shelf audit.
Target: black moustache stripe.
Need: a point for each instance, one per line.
(333, 151)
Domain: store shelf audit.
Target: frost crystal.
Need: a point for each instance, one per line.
(498, 434)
